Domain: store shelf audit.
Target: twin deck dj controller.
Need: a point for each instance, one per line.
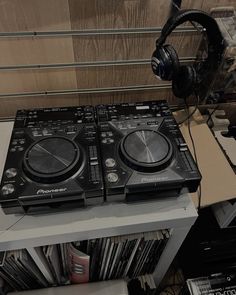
(79, 156)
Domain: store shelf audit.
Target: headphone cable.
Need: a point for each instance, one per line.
(193, 112)
(212, 112)
(199, 191)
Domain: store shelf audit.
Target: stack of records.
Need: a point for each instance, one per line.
(20, 271)
(125, 256)
(63, 256)
(54, 260)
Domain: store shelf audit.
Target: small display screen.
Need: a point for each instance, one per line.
(127, 110)
(54, 116)
(142, 107)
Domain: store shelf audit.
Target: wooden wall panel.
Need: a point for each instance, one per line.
(122, 14)
(115, 14)
(37, 80)
(125, 47)
(118, 14)
(18, 51)
(34, 15)
(44, 15)
(116, 76)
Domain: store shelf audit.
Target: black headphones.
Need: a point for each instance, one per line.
(165, 61)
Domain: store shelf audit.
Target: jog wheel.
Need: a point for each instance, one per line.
(51, 160)
(146, 150)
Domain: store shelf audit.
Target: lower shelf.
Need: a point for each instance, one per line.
(102, 259)
(17, 232)
(116, 287)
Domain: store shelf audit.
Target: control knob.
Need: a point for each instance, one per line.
(110, 163)
(11, 172)
(112, 177)
(8, 189)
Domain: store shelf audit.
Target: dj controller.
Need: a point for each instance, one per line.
(53, 161)
(144, 153)
(77, 156)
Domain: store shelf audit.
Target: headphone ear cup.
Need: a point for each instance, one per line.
(174, 60)
(165, 62)
(184, 81)
(160, 63)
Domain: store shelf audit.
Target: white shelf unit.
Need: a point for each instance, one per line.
(178, 214)
(115, 287)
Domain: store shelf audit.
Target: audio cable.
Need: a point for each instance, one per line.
(199, 191)
(193, 112)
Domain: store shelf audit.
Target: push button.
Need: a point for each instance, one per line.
(70, 129)
(183, 149)
(11, 172)
(108, 140)
(183, 144)
(8, 189)
(110, 163)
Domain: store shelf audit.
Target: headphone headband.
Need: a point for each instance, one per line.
(213, 33)
(165, 62)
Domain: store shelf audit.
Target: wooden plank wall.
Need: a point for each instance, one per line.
(51, 15)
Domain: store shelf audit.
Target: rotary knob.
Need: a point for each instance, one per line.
(8, 189)
(110, 163)
(112, 177)
(11, 172)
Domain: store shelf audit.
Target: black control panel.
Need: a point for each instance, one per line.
(53, 160)
(133, 111)
(144, 154)
(54, 117)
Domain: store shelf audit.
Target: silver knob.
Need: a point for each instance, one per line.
(110, 163)
(112, 177)
(11, 172)
(8, 189)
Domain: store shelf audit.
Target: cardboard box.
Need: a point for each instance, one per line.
(225, 213)
(218, 178)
